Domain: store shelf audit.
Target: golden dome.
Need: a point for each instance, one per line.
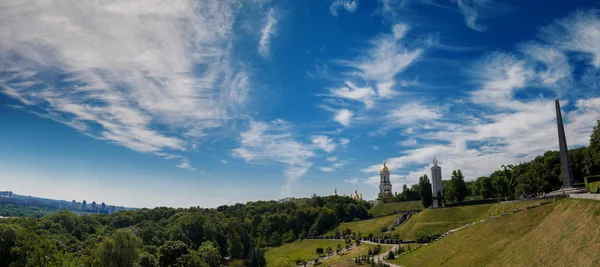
(384, 168)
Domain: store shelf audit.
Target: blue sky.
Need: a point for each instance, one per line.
(186, 103)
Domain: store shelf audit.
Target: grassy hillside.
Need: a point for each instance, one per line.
(390, 208)
(564, 233)
(306, 250)
(367, 226)
(442, 220)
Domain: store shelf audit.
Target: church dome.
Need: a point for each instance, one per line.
(384, 168)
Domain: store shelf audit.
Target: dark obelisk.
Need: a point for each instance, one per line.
(565, 167)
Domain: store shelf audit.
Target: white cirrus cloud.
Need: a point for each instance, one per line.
(331, 159)
(579, 32)
(351, 180)
(344, 141)
(470, 13)
(151, 75)
(267, 32)
(413, 112)
(399, 30)
(352, 92)
(343, 116)
(323, 142)
(348, 5)
(270, 142)
(409, 142)
(326, 169)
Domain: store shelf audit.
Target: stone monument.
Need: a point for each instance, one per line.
(565, 167)
(437, 187)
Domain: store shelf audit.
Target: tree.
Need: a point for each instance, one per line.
(210, 254)
(329, 250)
(170, 251)
(148, 260)
(500, 184)
(458, 181)
(425, 192)
(8, 236)
(120, 249)
(319, 251)
(391, 255)
(256, 258)
(594, 149)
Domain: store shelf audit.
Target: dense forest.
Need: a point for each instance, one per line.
(538, 176)
(169, 236)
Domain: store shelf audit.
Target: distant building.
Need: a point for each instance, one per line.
(103, 207)
(94, 207)
(83, 206)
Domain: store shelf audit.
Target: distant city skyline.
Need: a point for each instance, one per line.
(9, 197)
(207, 103)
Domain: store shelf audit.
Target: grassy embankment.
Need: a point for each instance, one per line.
(441, 220)
(306, 250)
(564, 233)
(391, 208)
(366, 226)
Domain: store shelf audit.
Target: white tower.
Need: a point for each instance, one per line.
(437, 187)
(385, 187)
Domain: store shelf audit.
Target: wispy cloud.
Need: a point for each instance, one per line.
(127, 71)
(352, 92)
(348, 5)
(323, 142)
(469, 10)
(579, 32)
(351, 180)
(271, 142)
(409, 142)
(267, 32)
(371, 76)
(413, 112)
(343, 116)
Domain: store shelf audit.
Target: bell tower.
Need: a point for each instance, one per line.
(385, 187)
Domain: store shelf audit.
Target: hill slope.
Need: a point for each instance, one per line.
(442, 220)
(391, 208)
(366, 227)
(564, 233)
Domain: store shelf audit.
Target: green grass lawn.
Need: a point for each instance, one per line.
(367, 226)
(304, 250)
(564, 233)
(442, 220)
(390, 208)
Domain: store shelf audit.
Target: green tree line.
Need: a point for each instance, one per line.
(171, 236)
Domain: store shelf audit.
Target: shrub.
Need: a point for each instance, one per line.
(391, 255)
(592, 183)
(377, 249)
(426, 237)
